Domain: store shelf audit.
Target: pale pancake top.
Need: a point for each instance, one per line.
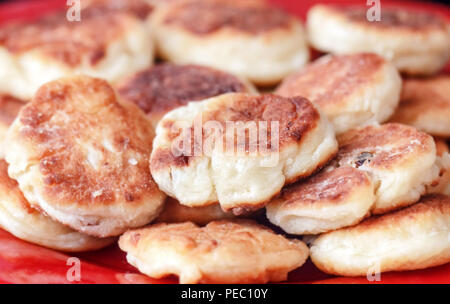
(207, 17)
(426, 100)
(382, 147)
(332, 81)
(335, 187)
(90, 149)
(71, 43)
(164, 87)
(296, 117)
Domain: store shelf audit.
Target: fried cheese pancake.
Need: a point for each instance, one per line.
(425, 104)
(162, 88)
(27, 223)
(352, 90)
(221, 252)
(82, 157)
(416, 42)
(416, 237)
(239, 149)
(246, 38)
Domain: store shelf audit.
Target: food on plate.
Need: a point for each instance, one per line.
(29, 224)
(442, 185)
(164, 87)
(9, 108)
(416, 237)
(174, 212)
(141, 9)
(352, 90)
(425, 104)
(110, 46)
(400, 160)
(331, 199)
(83, 157)
(416, 42)
(245, 38)
(239, 149)
(221, 252)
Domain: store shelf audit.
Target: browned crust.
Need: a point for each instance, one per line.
(67, 42)
(331, 186)
(393, 18)
(66, 114)
(329, 81)
(207, 17)
(9, 108)
(428, 204)
(165, 87)
(98, 8)
(297, 117)
(383, 147)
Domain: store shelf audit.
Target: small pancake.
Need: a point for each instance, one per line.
(239, 149)
(82, 157)
(425, 104)
(330, 200)
(221, 252)
(352, 90)
(416, 237)
(108, 45)
(416, 42)
(9, 108)
(162, 88)
(174, 212)
(399, 159)
(442, 185)
(246, 38)
(27, 223)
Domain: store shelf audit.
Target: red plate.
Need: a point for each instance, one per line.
(22, 262)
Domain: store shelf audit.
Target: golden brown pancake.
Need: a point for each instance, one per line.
(331, 199)
(247, 38)
(415, 41)
(416, 237)
(221, 252)
(98, 8)
(425, 104)
(82, 157)
(399, 158)
(442, 184)
(352, 90)
(29, 224)
(162, 88)
(241, 171)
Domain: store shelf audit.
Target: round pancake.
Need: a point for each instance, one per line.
(221, 252)
(399, 159)
(141, 9)
(352, 90)
(416, 42)
(9, 108)
(416, 237)
(110, 46)
(174, 212)
(246, 38)
(24, 222)
(330, 200)
(442, 185)
(425, 104)
(239, 149)
(162, 88)
(82, 157)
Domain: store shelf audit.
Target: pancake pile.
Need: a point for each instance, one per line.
(187, 163)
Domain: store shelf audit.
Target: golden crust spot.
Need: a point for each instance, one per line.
(9, 108)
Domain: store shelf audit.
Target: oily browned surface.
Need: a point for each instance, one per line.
(90, 149)
(206, 17)
(98, 8)
(166, 86)
(9, 108)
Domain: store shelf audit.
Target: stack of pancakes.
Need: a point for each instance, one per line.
(349, 152)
